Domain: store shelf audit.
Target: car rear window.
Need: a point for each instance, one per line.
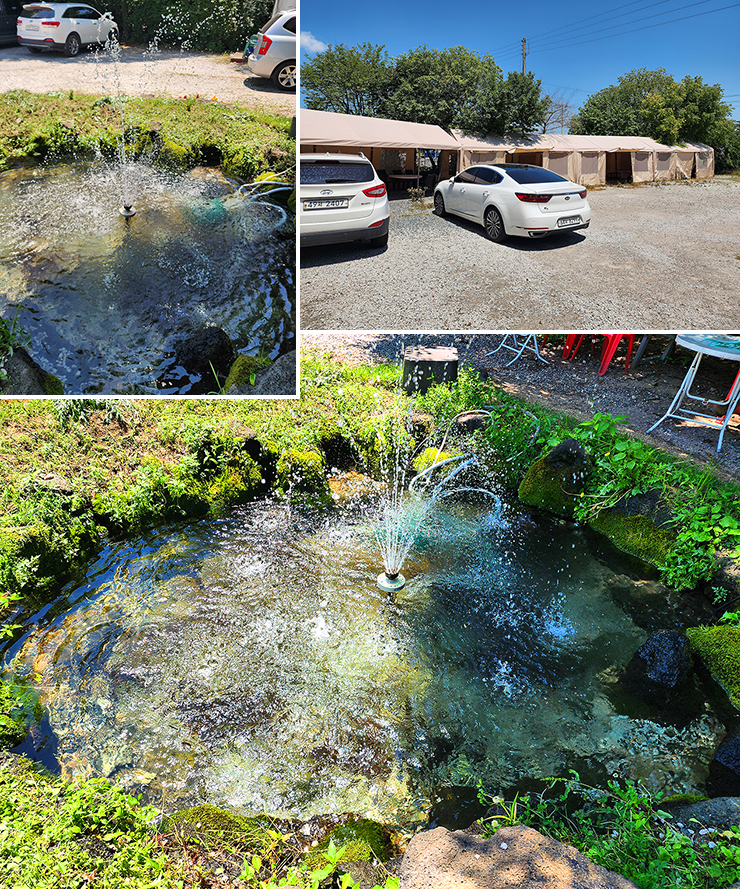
(532, 175)
(325, 172)
(37, 12)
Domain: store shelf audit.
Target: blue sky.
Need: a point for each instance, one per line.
(576, 48)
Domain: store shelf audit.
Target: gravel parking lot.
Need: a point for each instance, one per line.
(141, 73)
(656, 257)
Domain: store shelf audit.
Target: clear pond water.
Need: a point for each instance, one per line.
(105, 299)
(251, 661)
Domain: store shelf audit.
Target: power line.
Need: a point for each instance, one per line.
(645, 28)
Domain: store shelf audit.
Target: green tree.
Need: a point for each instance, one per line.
(433, 85)
(526, 105)
(652, 103)
(349, 80)
(704, 116)
(620, 110)
(485, 110)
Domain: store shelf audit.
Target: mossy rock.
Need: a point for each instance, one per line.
(719, 650)
(52, 385)
(34, 557)
(240, 481)
(635, 534)
(428, 457)
(301, 475)
(385, 444)
(336, 444)
(243, 371)
(16, 714)
(555, 481)
(364, 840)
(174, 157)
(212, 825)
(12, 728)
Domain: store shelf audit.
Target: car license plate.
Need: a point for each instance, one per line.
(335, 204)
(32, 27)
(568, 220)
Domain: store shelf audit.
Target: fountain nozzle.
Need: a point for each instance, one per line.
(127, 211)
(391, 583)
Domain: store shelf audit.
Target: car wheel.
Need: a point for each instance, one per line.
(382, 241)
(494, 225)
(34, 49)
(284, 76)
(439, 204)
(72, 46)
(112, 36)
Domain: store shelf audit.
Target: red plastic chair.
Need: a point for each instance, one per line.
(611, 342)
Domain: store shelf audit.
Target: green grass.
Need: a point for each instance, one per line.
(627, 830)
(243, 142)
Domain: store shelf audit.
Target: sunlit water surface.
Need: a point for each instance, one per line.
(105, 299)
(251, 661)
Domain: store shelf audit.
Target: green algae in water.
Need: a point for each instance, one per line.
(251, 662)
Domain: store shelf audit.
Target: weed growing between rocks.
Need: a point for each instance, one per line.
(626, 830)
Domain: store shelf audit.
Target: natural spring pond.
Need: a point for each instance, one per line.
(250, 661)
(105, 299)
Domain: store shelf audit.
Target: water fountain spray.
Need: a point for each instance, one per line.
(404, 515)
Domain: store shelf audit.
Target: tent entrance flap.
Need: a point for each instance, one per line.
(619, 166)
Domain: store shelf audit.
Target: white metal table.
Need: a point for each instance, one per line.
(721, 346)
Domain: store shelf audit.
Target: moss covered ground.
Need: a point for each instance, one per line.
(244, 143)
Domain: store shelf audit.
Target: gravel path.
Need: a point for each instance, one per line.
(655, 257)
(168, 73)
(575, 388)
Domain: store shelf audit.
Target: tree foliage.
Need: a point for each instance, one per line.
(432, 85)
(349, 80)
(193, 24)
(654, 104)
(452, 87)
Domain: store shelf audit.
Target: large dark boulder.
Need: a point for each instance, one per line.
(24, 376)
(202, 359)
(554, 481)
(720, 813)
(513, 857)
(724, 770)
(660, 666)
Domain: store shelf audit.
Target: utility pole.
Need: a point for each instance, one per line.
(524, 55)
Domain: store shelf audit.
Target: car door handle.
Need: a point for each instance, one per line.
(485, 194)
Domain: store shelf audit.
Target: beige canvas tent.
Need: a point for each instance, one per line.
(592, 160)
(384, 142)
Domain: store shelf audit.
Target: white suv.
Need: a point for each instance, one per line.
(64, 26)
(274, 52)
(342, 198)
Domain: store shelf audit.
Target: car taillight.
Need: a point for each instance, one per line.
(19, 21)
(533, 198)
(583, 194)
(50, 24)
(377, 191)
(264, 46)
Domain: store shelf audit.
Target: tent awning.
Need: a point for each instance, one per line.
(353, 131)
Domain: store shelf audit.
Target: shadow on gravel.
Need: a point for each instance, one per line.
(331, 254)
(263, 85)
(529, 245)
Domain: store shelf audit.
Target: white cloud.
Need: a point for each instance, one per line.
(309, 43)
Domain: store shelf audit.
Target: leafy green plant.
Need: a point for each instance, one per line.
(623, 829)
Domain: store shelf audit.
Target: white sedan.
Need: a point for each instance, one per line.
(514, 199)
